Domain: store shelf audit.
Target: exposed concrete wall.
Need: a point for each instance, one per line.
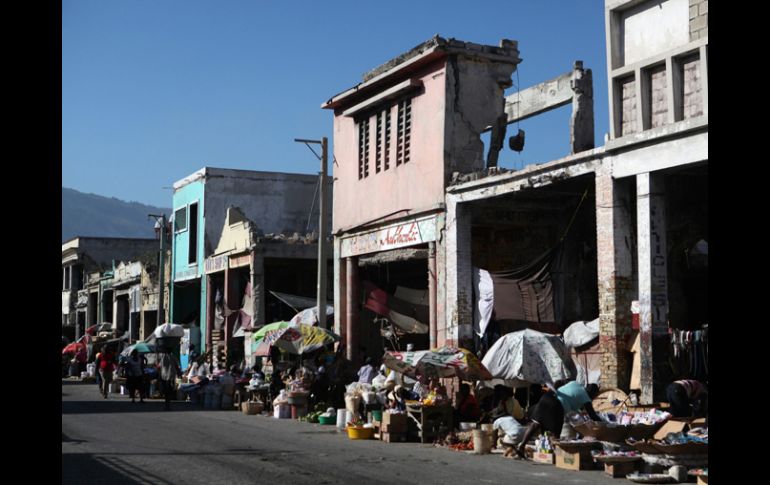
(414, 186)
(699, 19)
(289, 198)
(475, 99)
(654, 27)
(102, 251)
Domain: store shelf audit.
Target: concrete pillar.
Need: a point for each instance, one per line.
(258, 286)
(653, 291)
(351, 341)
(209, 313)
(615, 276)
(582, 121)
(340, 291)
(459, 277)
(432, 293)
(231, 303)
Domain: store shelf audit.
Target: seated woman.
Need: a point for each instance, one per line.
(467, 410)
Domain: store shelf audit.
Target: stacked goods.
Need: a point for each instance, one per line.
(394, 427)
(621, 426)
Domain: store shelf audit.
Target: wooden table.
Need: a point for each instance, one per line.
(430, 419)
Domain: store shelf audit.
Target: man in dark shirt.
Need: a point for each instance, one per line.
(547, 415)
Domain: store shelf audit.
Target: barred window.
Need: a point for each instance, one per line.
(404, 131)
(378, 145)
(363, 149)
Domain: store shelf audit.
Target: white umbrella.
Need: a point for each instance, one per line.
(529, 357)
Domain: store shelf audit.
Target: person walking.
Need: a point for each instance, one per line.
(135, 375)
(168, 371)
(106, 369)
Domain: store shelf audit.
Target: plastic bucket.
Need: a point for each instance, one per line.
(360, 433)
(326, 420)
(341, 418)
(482, 442)
(377, 415)
(298, 411)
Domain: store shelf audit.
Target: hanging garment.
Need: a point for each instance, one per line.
(525, 294)
(408, 316)
(484, 290)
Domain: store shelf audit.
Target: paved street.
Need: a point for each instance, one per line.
(116, 442)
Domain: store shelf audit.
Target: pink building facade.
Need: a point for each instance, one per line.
(399, 138)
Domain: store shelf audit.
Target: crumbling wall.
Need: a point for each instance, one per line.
(659, 100)
(475, 99)
(628, 107)
(693, 98)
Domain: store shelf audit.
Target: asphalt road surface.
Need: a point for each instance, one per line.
(115, 441)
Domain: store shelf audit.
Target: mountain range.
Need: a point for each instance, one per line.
(95, 215)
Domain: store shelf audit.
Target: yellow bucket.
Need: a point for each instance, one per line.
(360, 433)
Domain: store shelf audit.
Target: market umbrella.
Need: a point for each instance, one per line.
(74, 348)
(140, 347)
(441, 362)
(296, 339)
(529, 357)
(102, 327)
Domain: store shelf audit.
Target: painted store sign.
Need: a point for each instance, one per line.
(396, 236)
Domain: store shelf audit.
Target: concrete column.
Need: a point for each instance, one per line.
(432, 294)
(351, 341)
(653, 291)
(209, 313)
(441, 307)
(258, 286)
(459, 277)
(231, 302)
(340, 291)
(615, 275)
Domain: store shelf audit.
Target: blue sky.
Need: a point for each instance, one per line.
(154, 90)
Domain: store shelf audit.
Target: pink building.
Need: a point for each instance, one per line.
(399, 137)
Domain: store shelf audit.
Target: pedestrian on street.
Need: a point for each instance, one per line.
(168, 372)
(135, 375)
(106, 369)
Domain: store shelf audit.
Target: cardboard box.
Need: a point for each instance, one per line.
(545, 458)
(620, 470)
(393, 437)
(581, 460)
(671, 426)
(394, 419)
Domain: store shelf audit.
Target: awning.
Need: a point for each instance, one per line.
(298, 303)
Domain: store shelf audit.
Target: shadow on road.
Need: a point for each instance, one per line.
(121, 405)
(86, 468)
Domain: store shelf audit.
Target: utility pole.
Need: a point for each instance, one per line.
(321, 282)
(161, 219)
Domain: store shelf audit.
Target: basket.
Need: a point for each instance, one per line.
(360, 433)
(252, 407)
(602, 432)
(327, 419)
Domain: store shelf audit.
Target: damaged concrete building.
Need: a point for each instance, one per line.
(86, 299)
(421, 216)
(227, 254)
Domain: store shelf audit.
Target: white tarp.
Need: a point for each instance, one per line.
(309, 316)
(485, 302)
(581, 333)
(169, 330)
(530, 356)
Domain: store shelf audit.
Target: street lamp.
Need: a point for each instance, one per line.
(160, 231)
(321, 283)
